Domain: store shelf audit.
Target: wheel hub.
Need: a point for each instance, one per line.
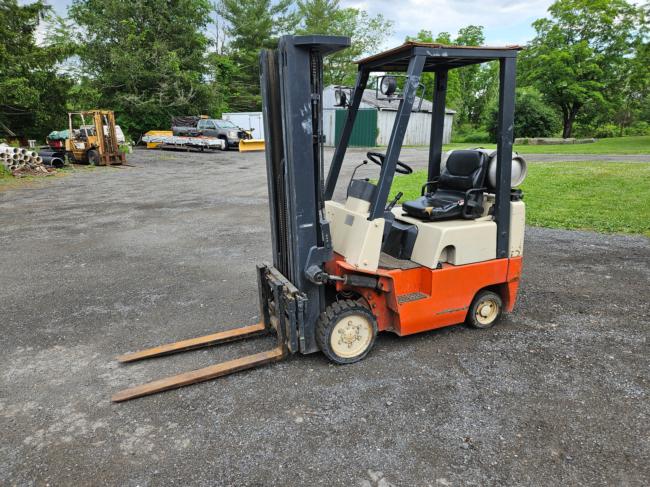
(487, 312)
(351, 336)
(349, 333)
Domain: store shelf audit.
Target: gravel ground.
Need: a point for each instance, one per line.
(112, 260)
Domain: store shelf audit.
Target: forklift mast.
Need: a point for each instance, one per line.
(292, 84)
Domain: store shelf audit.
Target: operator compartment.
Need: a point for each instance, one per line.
(355, 237)
(455, 242)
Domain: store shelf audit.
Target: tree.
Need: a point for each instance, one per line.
(469, 89)
(252, 25)
(32, 93)
(145, 59)
(367, 34)
(579, 53)
(533, 117)
(453, 98)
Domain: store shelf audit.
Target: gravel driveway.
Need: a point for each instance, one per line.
(112, 260)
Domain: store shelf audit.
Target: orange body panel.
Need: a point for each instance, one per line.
(444, 294)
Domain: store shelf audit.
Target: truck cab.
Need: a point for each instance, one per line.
(222, 129)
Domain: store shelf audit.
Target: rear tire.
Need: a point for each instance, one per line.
(346, 332)
(485, 310)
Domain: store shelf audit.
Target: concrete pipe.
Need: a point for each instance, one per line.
(53, 161)
(38, 159)
(16, 157)
(23, 151)
(33, 153)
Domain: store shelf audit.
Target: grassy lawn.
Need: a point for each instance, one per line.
(8, 181)
(616, 145)
(602, 196)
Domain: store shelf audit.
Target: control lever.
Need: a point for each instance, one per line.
(347, 193)
(394, 202)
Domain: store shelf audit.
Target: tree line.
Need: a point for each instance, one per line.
(586, 71)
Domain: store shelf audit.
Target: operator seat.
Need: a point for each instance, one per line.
(458, 191)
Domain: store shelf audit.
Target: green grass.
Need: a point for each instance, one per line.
(615, 145)
(601, 196)
(8, 181)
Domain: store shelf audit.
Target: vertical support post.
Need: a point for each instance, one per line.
(504, 152)
(437, 124)
(402, 117)
(341, 147)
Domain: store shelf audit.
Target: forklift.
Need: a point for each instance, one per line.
(344, 271)
(95, 140)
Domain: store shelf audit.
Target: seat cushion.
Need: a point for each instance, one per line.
(437, 206)
(465, 170)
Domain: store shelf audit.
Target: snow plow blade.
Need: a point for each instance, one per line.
(251, 145)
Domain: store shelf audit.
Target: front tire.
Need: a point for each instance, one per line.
(485, 310)
(93, 158)
(346, 332)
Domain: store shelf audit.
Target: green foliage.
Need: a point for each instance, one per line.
(469, 89)
(575, 195)
(467, 134)
(454, 96)
(328, 17)
(32, 93)
(581, 54)
(251, 25)
(143, 59)
(533, 117)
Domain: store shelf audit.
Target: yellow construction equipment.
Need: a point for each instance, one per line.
(94, 141)
(250, 145)
(165, 133)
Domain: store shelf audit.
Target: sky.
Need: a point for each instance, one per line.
(506, 21)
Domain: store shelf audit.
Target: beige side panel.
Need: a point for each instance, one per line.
(354, 237)
(457, 242)
(517, 228)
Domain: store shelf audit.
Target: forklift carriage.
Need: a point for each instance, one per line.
(343, 271)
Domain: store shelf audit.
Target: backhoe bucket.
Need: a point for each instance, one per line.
(251, 145)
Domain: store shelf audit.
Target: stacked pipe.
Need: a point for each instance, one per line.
(53, 158)
(22, 161)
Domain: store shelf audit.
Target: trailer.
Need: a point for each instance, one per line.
(165, 139)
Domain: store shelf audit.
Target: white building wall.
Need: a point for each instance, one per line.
(418, 131)
(248, 120)
(329, 126)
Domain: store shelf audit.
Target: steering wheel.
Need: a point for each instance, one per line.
(378, 158)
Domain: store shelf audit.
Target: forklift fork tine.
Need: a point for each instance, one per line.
(193, 343)
(201, 375)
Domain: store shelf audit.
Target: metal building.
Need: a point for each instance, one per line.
(376, 118)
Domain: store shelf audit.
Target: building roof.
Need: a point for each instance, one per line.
(370, 98)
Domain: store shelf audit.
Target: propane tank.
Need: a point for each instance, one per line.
(519, 167)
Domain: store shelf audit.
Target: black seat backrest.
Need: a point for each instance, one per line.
(465, 170)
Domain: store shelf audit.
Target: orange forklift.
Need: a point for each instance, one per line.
(343, 271)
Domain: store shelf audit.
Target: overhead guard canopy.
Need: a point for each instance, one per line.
(438, 56)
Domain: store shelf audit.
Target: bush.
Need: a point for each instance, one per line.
(533, 117)
(606, 131)
(638, 128)
(468, 134)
